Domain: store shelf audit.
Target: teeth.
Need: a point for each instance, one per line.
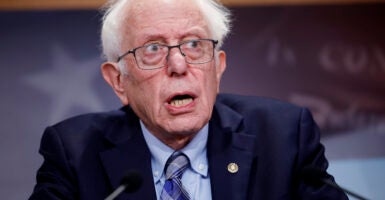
(181, 102)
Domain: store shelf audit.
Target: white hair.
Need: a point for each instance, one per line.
(216, 15)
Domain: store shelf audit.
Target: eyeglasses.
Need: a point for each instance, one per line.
(153, 56)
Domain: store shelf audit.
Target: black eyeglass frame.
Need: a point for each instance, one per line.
(169, 47)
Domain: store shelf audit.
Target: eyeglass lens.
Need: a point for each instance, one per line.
(155, 55)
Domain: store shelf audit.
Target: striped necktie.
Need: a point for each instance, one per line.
(175, 166)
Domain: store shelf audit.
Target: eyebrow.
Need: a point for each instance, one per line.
(151, 37)
(199, 32)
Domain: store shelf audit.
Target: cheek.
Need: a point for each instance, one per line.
(130, 64)
(141, 101)
(212, 79)
(143, 90)
(209, 85)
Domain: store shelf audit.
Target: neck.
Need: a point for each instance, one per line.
(177, 142)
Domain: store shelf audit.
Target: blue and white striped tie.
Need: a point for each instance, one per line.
(175, 166)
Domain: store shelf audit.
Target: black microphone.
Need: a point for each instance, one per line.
(130, 183)
(313, 175)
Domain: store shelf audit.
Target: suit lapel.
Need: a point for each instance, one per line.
(129, 152)
(228, 143)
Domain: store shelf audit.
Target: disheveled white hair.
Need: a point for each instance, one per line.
(216, 15)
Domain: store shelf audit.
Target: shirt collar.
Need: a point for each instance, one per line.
(195, 151)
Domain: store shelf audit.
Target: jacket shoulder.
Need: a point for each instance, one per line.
(250, 104)
(78, 132)
(261, 114)
(89, 122)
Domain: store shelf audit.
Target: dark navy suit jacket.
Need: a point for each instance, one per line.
(85, 157)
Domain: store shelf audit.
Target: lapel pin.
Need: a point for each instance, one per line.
(232, 168)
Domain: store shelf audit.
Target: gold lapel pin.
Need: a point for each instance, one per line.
(232, 168)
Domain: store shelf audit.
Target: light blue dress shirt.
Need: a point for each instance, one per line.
(195, 179)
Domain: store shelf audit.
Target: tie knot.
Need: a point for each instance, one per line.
(176, 164)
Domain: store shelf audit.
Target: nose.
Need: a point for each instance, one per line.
(176, 64)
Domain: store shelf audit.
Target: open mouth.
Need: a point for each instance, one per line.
(181, 100)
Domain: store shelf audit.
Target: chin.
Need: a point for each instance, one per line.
(186, 126)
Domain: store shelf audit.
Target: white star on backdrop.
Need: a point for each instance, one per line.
(68, 83)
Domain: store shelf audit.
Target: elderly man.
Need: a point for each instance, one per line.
(185, 140)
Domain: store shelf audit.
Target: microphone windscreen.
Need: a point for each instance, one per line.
(313, 175)
(132, 180)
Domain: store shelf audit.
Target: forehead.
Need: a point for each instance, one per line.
(164, 19)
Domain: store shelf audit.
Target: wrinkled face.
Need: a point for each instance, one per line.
(176, 100)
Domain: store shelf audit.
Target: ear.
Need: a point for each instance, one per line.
(114, 77)
(221, 67)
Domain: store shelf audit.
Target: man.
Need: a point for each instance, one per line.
(165, 66)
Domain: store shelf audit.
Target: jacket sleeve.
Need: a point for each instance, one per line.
(54, 179)
(312, 152)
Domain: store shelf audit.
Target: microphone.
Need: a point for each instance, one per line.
(313, 175)
(130, 183)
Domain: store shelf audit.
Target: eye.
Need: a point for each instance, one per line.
(152, 48)
(193, 44)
